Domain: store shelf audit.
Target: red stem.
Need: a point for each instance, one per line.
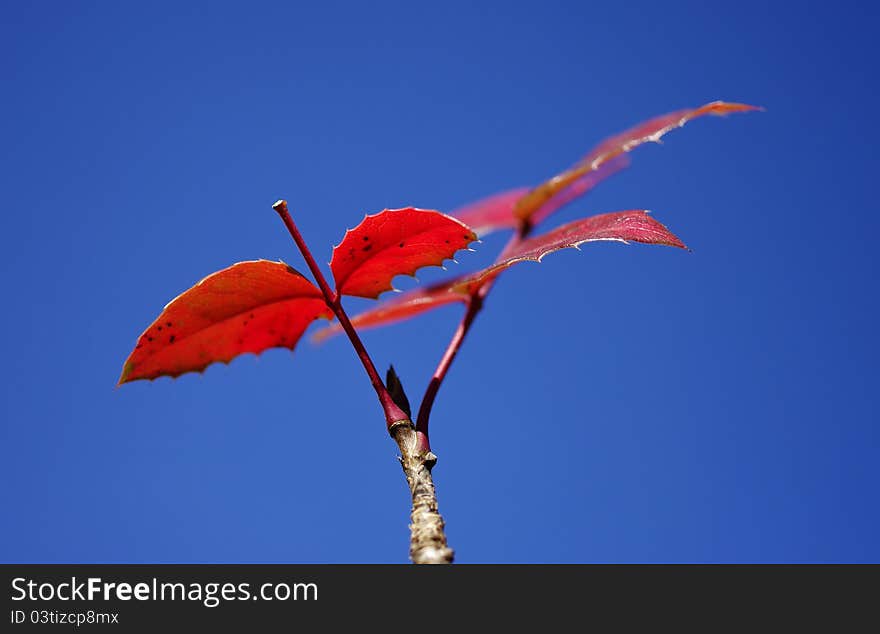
(474, 305)
(393, 413)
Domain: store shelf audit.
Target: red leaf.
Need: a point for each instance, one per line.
(248, 307)
(651, 130)
(395, 242)
(398, 308)
(619, 226)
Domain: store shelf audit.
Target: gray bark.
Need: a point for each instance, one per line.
(427, 537)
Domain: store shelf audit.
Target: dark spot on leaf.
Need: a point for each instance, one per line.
(160, 327)
(366, 238)
(149, 338)
(368, 247)
(168, 324)
(400, 245)
(447, 242)
(171, 339)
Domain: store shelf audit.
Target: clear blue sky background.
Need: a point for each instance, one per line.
(621, 404)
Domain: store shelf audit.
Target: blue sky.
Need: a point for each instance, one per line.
(620, 404)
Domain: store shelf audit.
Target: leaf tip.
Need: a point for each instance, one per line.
(126, 373)
(723, 108)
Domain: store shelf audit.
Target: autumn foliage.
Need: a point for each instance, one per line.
(253, 306)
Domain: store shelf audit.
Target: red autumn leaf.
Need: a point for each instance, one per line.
(398, 308)
(395, 242)
(496, 212)
(248, 307)
(650, 131)
(619, 226)
(653, 129)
